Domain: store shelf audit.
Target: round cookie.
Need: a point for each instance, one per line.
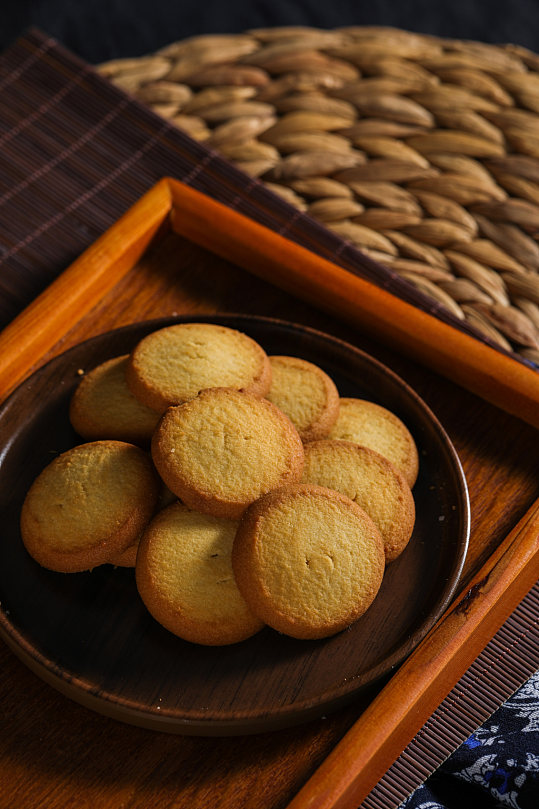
(307, 560)
(102, 406)
(174, 364)
(223, 449)
(373, 426)
(88, 505)
(371, 481)
(306, 394)
(185, 579)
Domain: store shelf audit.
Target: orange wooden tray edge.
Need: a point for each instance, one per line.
(496, 377)
(465, 360)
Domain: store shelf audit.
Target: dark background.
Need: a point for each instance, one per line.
(98, 30)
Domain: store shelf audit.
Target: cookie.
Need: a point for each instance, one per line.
(306, 394)
(88, 505)
(371, 481)
(103, 407)
(223, 449)
(307, 560)
(185, 579)
(173, 364)
(378, 428)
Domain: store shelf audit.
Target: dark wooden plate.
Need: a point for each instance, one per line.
(89, 635)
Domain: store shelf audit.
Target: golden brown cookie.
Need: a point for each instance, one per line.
(174, 364)
(306, 394)
(371, 481)
(307, 560)
(88, 505)
(185, 579)
(378, 428)
(102, 406)
(221, 450)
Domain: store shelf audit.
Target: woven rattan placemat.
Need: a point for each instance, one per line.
(77, 152)
(422, 152)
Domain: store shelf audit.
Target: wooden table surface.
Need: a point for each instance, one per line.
(57, 754)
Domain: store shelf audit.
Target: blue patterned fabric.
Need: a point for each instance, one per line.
(497, 766)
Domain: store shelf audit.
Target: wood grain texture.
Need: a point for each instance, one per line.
(57, 753)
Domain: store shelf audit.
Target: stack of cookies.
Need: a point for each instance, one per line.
(241, 487)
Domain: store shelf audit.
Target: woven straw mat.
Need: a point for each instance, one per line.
(421, 151)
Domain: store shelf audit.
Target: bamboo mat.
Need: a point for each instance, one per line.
(77, 151)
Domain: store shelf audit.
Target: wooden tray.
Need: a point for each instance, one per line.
(90, 635)
(119, 280)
